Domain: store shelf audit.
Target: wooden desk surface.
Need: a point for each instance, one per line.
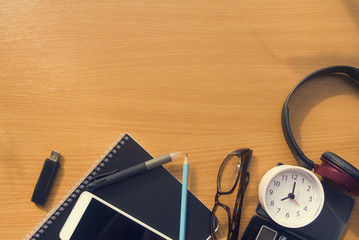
(203, 77)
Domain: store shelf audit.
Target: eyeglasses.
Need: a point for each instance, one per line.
(234, 169)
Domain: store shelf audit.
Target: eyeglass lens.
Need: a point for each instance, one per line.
(229, 173)
(221, 230)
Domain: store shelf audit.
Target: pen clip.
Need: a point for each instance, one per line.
(103, 175)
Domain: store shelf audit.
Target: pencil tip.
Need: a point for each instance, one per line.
(186, 159)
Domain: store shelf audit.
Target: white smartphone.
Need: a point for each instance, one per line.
(95, 219)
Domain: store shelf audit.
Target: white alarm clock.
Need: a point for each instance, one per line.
(292, 196)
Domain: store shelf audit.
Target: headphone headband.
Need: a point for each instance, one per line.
(306, 162)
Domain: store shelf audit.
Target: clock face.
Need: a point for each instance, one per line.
(292, 196)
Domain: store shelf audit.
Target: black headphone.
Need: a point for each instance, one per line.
(332, 166)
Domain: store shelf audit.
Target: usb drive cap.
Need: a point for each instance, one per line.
(46, 179)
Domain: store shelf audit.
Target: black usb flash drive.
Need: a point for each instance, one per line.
(46, 179)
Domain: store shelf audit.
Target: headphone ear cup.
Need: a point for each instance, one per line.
(341, 164)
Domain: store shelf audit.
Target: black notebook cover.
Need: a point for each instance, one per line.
(153, 197)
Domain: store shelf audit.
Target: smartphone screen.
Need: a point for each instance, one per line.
(100, 222)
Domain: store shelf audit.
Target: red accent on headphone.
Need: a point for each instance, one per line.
(329, 170)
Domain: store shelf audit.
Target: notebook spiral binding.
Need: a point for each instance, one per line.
(75, 190)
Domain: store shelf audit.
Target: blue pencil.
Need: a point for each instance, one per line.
(184, 200)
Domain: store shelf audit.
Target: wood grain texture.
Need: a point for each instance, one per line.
(203, 77)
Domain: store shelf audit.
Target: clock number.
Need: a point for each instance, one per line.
(298, 214)
(287, 215)
(310, 199)
(306, 208)
(302, 180)
(278, 210)
(271, 203)
(284, 177)
(270, 191)
(309, 187)
(276, 183)
(294, 176)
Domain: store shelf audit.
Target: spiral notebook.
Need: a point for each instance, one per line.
(153, 197)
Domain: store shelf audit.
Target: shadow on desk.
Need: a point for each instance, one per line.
(353, 7)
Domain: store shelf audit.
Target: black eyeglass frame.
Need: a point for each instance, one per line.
(245, 155)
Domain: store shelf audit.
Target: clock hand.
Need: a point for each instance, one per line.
(296, 202)
(294, 187)
(292, 196)
(284, 198)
